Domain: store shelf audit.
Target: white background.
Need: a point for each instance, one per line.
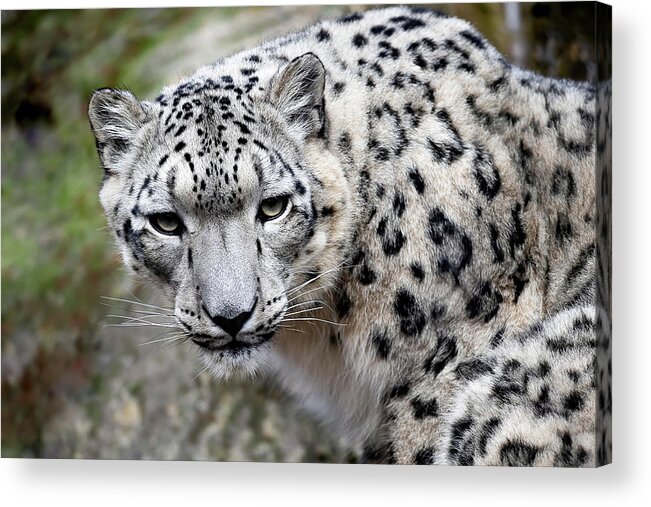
(626, 482)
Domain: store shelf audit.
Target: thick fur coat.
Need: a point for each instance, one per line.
(429, 287)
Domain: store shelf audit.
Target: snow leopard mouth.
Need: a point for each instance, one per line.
(233, 346)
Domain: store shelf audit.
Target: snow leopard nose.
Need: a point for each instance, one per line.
(232, 325)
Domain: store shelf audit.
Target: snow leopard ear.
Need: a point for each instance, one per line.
(115, 117)
(297, 93)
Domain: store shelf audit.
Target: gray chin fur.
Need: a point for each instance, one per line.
(241, 362)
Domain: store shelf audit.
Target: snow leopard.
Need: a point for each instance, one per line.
(395, 222)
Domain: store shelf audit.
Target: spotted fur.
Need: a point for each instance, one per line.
(431, 291)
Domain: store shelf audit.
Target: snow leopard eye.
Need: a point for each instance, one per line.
(166, 223)
(273, 208)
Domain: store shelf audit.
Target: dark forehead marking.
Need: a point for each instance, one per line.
(260, 145)
(219, 111)
(282, 161)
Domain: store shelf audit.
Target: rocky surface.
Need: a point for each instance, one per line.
(151, 401)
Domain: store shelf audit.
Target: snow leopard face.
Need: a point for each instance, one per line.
(210, 191)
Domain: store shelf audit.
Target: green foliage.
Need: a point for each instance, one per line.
(54, 243)
(57, 255)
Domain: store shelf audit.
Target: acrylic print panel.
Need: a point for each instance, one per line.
(382, 238)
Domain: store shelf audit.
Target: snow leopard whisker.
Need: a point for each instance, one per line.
(152, 313)
(133, 324)
(139, 300)
(306, 304)
(311, 290)
(315, 278)
(303, 311)
(129, 301)
(145, 317)
(314, 319)
(199, 374)
(295, 304)
(162, 340)
(169, 333)
(294, 295)
(289, 328)
(128, 318)
(312, 301)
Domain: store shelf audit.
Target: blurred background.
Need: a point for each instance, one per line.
(73, 387)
